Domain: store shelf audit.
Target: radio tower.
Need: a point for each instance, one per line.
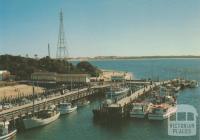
(62, 52)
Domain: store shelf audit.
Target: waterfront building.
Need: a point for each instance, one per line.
(52, 76)
(43, 76)
(82, 78)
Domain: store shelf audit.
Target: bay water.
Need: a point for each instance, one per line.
(80, 125)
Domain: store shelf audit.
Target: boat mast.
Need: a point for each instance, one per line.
(33, 99)
(69, 71)
(124, 78)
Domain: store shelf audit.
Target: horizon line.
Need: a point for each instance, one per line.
(114, 56)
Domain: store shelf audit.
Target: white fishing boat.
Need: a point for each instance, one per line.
(161, 112)
(177, 89)
(5, 133)
(140, 110)
(117, 93)
(65, 108)
(42, 118)
(193, 84)
(45, 117)
(83, 103)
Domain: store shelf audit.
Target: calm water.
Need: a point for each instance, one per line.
(80, 125)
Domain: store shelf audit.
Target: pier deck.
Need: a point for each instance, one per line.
(137, 93)
(118, 109)
(18, 111)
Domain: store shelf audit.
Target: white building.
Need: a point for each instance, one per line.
(4, 75)
(52, 76)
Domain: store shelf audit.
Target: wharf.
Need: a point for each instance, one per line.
(136, 94)
(120, 108)
(23, 110)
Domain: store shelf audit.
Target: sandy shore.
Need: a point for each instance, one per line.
(107, 74)
(18, 90)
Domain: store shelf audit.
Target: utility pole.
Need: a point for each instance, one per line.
(49, 51)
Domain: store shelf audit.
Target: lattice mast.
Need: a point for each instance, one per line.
(62, 52)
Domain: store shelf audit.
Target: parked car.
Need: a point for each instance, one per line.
(7, 106)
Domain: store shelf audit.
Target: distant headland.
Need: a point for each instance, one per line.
(133, 57)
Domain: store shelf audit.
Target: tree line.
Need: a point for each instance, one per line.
(23, 67)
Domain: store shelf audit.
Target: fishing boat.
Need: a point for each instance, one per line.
(5, 133)
(117, 93)
(66, 108)
(43, 118)
(161, 112)
(177, 89)
(112, 96)
(140, 110)
(193, 84)
(105, 111)
(83, 103)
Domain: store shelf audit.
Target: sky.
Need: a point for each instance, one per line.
(101, 27)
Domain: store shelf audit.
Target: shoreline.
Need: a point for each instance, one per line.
(107, 74)
(145, 58)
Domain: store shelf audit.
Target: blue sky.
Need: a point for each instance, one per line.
(101, 27)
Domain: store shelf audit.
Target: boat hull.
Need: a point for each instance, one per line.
(156, 117)
(117, 94)
(35, 122)
(83, 104)
(67, 110)
(109, 113)
(138, 115)
(9, 135)
(160, 117)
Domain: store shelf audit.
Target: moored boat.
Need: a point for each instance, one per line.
(161, 112)
(42, 118)
(66, 108)
(193, 84)
(140, 110)
(117, 93)
(45, 117)
(105, 111)
(82, 103)
(5, 133)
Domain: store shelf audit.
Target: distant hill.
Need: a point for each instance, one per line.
(132, 57)
(23, 67)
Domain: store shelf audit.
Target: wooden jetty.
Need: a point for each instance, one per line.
(136, 94)
(119, 109)
(23, 110)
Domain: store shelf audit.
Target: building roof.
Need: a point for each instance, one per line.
(57, 74)
(73, 74)
(44, 73)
